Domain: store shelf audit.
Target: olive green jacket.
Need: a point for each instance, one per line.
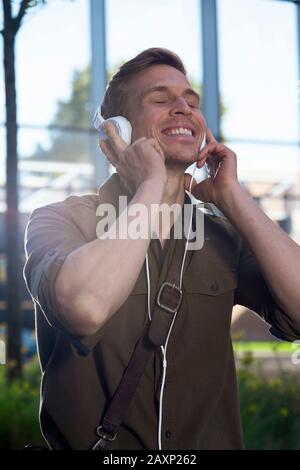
(81, 374)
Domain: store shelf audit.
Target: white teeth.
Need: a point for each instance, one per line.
(179, 130)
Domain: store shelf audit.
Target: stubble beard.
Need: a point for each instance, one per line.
(181, 161)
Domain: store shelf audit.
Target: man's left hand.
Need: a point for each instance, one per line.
(222, 169)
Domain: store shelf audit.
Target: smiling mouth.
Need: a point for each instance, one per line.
(179, 131)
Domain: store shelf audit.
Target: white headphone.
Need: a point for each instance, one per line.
(122, 124)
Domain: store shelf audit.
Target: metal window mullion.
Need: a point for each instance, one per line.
(98, 81)
(211, 101)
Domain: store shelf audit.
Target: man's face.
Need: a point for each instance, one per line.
(165, 107)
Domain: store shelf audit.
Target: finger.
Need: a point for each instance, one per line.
(212, 147)
(108, 151)
(205, 152)
(212, 165)
(201, 162)
(201, 190)
(117, 143)
(209, 136)
(211, 154)
(197, 188)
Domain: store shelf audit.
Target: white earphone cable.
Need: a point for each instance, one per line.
(164, 348)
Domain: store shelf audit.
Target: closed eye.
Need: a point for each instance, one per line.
(193, 105)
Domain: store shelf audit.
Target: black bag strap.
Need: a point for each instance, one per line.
(167, 303)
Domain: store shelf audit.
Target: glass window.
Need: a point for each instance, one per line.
(258, 59)
(135, 25)
(258, 69)
(53, 75)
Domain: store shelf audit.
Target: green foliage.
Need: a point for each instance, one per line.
(272, 347)
(270, 408)
(71, 124)
(75, 110)
(19, 404)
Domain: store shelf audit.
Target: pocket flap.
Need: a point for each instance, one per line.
(210, 283)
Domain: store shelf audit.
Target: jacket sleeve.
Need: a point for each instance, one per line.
(253, 292)
(52, 233)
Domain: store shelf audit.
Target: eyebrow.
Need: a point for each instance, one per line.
(187, 91)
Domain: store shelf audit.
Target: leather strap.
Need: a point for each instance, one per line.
(155, 335)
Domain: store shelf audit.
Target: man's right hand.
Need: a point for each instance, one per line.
(136, 163)
(97, 278)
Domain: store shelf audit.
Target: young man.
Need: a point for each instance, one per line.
(90, 291)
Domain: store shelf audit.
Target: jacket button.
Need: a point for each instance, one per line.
(168, 435)
(214, 287)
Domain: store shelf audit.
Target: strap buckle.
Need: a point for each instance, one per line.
(173, 289)
(104, 437)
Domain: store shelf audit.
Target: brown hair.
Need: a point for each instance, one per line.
(115, 100)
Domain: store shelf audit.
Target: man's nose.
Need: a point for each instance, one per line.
(181, 107)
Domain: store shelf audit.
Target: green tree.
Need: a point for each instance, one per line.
(71, 125)
(11, 26)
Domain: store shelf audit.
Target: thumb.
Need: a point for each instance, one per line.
(200, 190)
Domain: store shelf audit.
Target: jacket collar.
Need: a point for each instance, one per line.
(111, 189)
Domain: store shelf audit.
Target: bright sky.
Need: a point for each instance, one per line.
(257, 52)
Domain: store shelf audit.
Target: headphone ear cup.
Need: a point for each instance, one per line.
(122, 125)
(124, 128)
(98, 119)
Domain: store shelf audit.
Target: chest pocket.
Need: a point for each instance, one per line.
(213, 269)
(209, 282)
